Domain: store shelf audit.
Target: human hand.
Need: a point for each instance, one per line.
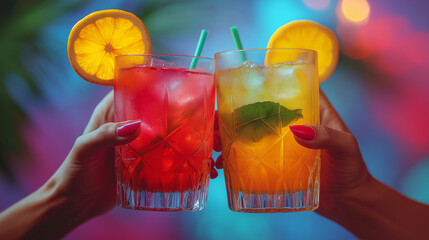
(349, 194)
(87, 176)
(343, 170)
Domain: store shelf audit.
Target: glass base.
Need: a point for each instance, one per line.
(271, 203)
(191, 200)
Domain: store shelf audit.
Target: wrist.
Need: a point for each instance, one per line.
(61, 209)
(77, 206)
(336, 203)
(44, 214)
(353, 207)
(375, 211)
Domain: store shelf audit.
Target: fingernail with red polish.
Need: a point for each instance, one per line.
(304, 132)
(128, 128)
(213, 173)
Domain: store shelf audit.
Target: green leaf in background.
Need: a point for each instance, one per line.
(262, 118)
(21, 23)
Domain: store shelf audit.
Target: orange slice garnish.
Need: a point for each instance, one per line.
(308, 35)
(98, 38)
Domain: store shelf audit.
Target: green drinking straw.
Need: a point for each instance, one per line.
(237, 42)
(199, 49)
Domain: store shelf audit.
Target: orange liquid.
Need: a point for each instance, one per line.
(275, 163)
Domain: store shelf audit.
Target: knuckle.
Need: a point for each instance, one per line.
(106, 128)
(324, 133)
(79, 141)
(351, 139)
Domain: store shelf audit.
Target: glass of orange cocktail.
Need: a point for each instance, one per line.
(167, 166)
(260, 92)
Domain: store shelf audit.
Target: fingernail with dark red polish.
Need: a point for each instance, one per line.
(213, 173)
(304, 132)
(128, 128)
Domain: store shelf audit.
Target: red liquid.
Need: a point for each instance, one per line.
(176, 107)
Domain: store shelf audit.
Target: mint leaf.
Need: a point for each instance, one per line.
(262, 118)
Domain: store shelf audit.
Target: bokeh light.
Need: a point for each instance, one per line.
(417, 50)
(317, 4)
(355, 11)
(353, 43)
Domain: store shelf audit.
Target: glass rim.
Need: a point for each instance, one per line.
(163, 55)
(265, 49)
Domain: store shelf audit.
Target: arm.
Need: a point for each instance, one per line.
(44, 214)
(376, 211)
(349, 194)
(83, 187)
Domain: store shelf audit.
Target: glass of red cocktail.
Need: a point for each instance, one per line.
(166, 168)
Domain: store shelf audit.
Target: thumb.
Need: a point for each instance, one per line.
(338, 144)
(109, 135)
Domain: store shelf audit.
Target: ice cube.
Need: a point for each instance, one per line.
(282, 81)
(155, 62)
(249, 64)
(253, 76)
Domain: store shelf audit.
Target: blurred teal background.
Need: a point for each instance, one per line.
(380, 87)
